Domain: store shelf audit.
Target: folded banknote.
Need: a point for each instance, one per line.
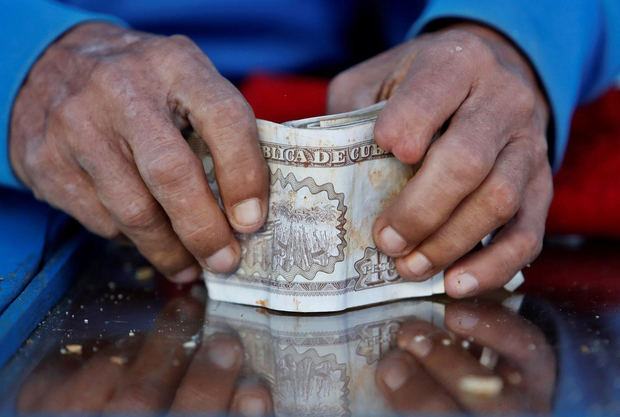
(329, 182)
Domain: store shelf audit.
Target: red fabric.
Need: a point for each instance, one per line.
(586, 198)
(285, 97)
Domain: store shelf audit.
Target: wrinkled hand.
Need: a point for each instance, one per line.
(426, 375)
(150, 373)
(95, 131)
(488, 169)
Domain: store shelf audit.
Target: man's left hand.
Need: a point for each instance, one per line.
(488, 169)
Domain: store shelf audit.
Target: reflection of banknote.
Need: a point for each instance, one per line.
(324, 365)
(329, 182)
(320, 365)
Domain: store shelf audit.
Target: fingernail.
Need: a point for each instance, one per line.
(223, 260)
(250, 405)
(391, 241)
(418, 264)
(187, 275)
(394, 373)
(466, 284)
(420, 346)
(223, 353)
(248, 212)
(464, 320)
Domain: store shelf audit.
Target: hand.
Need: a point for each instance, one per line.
(151, 373)
(487, 170)
(95, 131)
(426, 375)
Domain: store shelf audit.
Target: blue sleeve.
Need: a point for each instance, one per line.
(574, 46)
(27, 28)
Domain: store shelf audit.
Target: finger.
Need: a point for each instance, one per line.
(53, 371)
(434, 88)
(226, 122)
(493, 204)
(136, 213)
(251, 398)
(364, 83)
(450, 364)
(175, 177)
(455, 165)
(408, 388)
(209, 382)
(151, 381)
(89, 389)
(516, 245)
(516, 339)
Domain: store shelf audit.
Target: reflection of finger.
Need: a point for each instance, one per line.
(487, 208)
(209, 382)
(138, 215)
(52, 372)
(475, 386)
(89, 389)
(517, 244)
(407, 387)
(518, 340)
(251, 399)
(151, 381)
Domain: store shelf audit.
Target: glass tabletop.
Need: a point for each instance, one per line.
(125, 340)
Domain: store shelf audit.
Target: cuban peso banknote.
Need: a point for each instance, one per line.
(329, 182)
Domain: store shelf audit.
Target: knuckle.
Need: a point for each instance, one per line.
(62, 113)
(522, 96)
(476, 48)
(504, 200)
(202, 237)
(539, 148)
(105, 75)
(385, 133)
(464, 164)
(472, 50)
(106, 229)
(529, 244)
(40, 160)
(179, 40)
(412, 226)
(170, 169)
(233, 110)
(174, 48)
(137, 214)
(232, 116)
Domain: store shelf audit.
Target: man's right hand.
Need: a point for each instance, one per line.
(96, 132)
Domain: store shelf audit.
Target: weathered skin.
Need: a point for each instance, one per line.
(487, 170)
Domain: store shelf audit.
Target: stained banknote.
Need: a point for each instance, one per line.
(329, 182)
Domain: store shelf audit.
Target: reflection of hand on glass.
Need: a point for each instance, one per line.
(155, 372)
(438, 371)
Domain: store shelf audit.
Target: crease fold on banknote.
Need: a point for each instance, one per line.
(315, 253)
